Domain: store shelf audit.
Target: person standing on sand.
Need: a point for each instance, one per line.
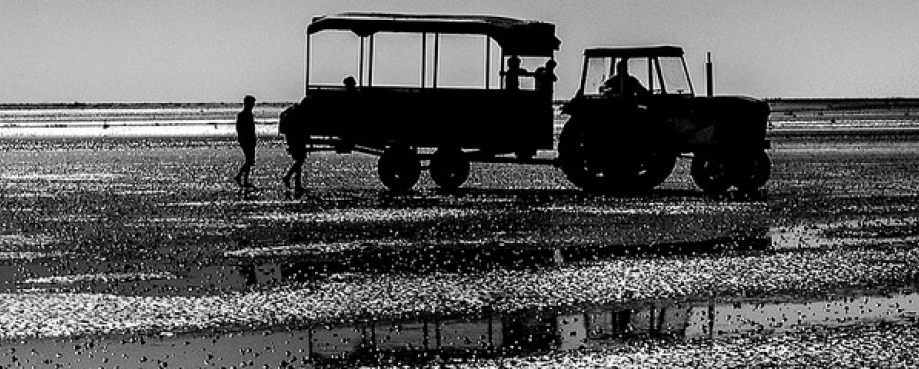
(245, 132)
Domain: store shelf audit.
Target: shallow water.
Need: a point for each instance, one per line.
(474, 337)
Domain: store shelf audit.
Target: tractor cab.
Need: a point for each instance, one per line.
(635, 71)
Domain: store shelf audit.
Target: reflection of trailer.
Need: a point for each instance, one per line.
(594, 327)
(613, 141)
(404, 124)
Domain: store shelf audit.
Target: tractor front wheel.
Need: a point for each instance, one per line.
(717, 173)
(710, 173)
(753, 172)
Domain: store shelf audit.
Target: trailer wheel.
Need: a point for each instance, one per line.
(753, 172)
(399, 168)
(449, 168)
(710, 173)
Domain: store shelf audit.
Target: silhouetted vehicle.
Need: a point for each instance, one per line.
(446, 126)
(626, 132)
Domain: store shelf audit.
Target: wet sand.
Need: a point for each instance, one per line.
(141, 251)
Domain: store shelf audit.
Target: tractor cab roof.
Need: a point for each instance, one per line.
(515, 36)
(634, 51)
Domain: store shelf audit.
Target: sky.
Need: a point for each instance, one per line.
(221, 50)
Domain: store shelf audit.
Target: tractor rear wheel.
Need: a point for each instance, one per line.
(399, 168)
(574, 147)
(598, 166)
(449, 168)
(654, 168)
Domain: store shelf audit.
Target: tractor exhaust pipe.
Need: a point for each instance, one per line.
(708, 76)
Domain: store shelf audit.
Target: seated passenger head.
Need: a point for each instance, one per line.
(349, 82)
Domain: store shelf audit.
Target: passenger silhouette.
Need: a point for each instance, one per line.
(290, 126)
(245, 132)
(350, 83)
(622, 83)
(545, 76)
(513, 73)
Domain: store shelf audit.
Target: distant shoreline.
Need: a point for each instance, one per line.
(777, 105)
(134, 105)
(897, 118)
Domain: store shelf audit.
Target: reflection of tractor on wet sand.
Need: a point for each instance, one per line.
(615, 139)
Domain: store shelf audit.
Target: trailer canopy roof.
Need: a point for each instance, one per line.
(633, 51)
(515, 36)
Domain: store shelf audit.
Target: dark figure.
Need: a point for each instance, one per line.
(513, 73)
(350, 83)
(545, 76)
(294, 135)
(245, 132)
(622, 83)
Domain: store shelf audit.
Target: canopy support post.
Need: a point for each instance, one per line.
(424, 52)
(487, 62)
(306, 72)
(503, 55)
(370, 66)
(360, 67)
(436, 56)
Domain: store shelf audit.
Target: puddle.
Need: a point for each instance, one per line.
(462, 338)
(79, 177)
(251, 267)
(367, 215)
(872, 232)
(480, 255)
(156, 280)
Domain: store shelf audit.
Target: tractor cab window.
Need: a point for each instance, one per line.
(639, 76)
(640, 69)
(675, 78)
(595, 73)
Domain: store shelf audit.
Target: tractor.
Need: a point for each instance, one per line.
(635, 113)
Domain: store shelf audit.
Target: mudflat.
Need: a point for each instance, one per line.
(141, 251)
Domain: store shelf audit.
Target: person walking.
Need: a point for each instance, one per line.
(245, 133)
(294, 135)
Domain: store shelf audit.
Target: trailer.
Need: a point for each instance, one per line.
(445, 126)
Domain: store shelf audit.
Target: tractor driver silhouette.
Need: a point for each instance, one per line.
(623, 84)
